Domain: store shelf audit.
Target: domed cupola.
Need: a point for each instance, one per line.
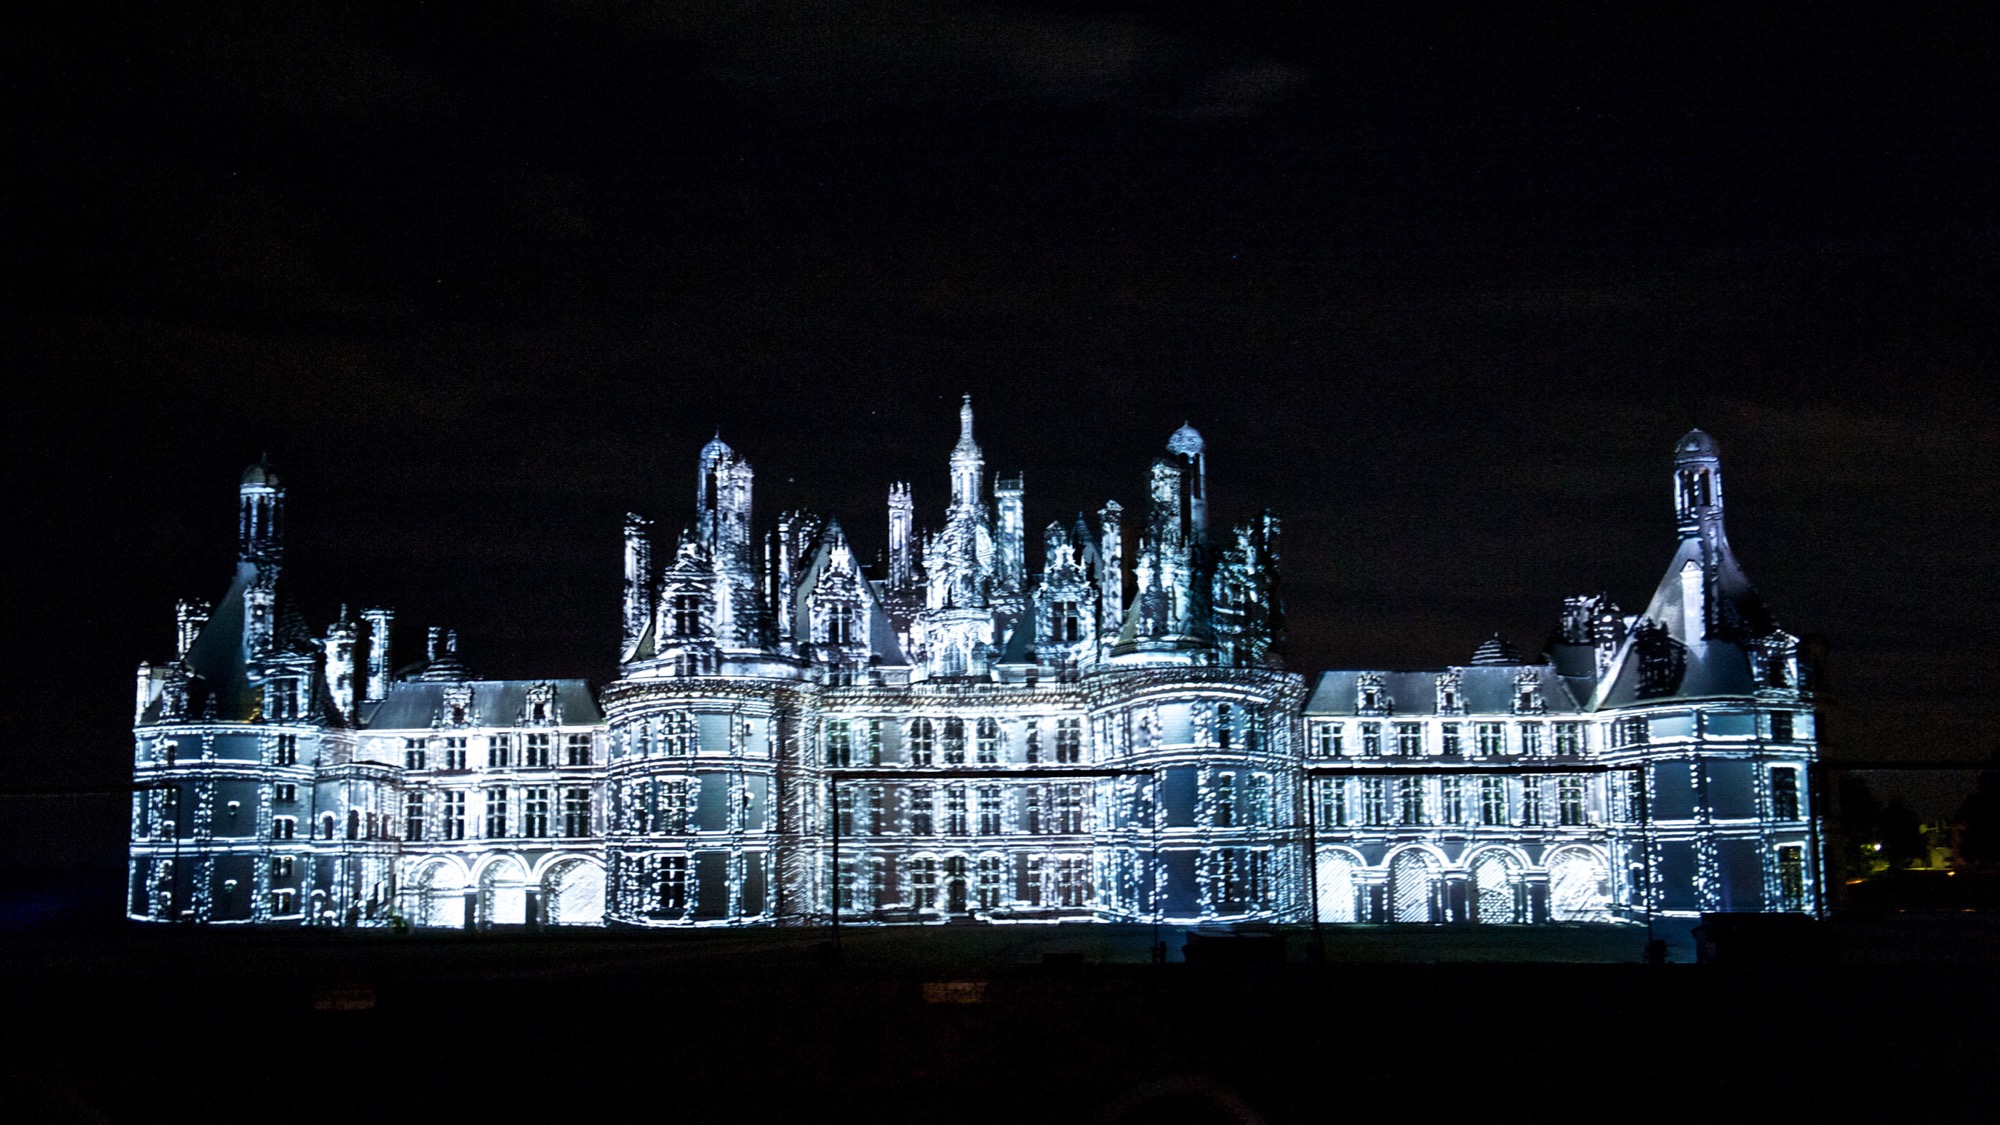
(1185, 441)
(1495, 650)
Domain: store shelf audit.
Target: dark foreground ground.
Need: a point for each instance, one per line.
(989, 1024)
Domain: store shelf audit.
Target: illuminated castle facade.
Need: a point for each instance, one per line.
(1108, 736)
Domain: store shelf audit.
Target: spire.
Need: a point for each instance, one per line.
(967, 462)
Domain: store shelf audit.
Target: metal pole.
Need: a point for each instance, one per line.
(833, 802)
(1317, 952)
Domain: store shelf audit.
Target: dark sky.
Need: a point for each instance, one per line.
(1441, 290)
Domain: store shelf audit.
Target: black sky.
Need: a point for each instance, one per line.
(1443, 290)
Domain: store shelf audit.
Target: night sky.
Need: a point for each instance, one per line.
(1443, 291)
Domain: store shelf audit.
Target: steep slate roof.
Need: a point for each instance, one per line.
(1487, 690)
(415, 704)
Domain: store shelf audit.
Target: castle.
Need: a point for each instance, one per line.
(793, 739)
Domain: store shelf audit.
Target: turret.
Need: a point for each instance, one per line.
(1187, 445)
(260, 516)
(901, 517)
(1697, 484)
(638, 578)
(189, 618)
(378, 622)
(722, 503)
(340, 664)
(1111, 568)
(1010, 566)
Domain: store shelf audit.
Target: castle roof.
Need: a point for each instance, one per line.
(417, 704)
(1484, 690)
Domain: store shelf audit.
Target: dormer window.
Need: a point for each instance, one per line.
(1068, 623)
(457, 708)
(687, 615)
(1370, 697)
(541, 705)
(1528, 694)
(1451, 699)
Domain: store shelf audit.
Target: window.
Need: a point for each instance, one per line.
(1333, 802)
(454, 816)
(989, 810)
(576, 811)
(1032, 752)
(499, 752)
(1067, 622)
(1326, 740)
(679, 734)
(923, 800)
(1492, 739)
(536, 756)
(843, 810)
(285, 793)
(1033, 874)
(535, 812)
(1072, 880)
(1449, 740)
(1031, 809)
(1792, 876)
(1569, 739)
(955, 822)
(353, 821)
(287, 750)
(674, 807)
(843, 885)
(923, 883)
(988, 747)
(1224, 725)
(923, 742)
(454, 753)
(1069, 741)
(1371, 740)
(1410, 800)
(989, 882)
(282, 867)
(1225, 800)
(1781, 726)
(413, 753)
(1372, 811)
(413, 816)
(1492, 800)
(839, 743)
(1785, 793)
(1069, 809)
(1531, 739)
(874, 742)
(284, 827)
(1409, 739)
(954, 742)
(1257, 801)
(1451, 796)
(840, 626)
(1569, 801)
(1630, 732)
(496, 814)
(577, 750)
(284, 902)
(1531, 801)
(673, 883)
(326, 827)
(687, 615)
